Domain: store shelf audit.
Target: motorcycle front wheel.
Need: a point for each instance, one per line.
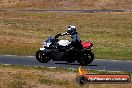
(86, 58)
(42, 56)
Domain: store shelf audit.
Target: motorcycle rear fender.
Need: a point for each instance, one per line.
(86, 49)
(89, 49)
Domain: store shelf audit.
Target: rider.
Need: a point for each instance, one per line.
(75, 41)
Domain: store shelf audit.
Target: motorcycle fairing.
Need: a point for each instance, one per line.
(48, 41)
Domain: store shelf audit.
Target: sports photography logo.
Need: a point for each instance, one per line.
(83, 78)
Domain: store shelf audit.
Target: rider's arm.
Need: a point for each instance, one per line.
(61, 34)
(65, 33)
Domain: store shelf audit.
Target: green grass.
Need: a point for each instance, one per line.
(58, 69)
(111, 33)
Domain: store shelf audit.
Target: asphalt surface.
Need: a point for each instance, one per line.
(78, 11)
(97, 64)
(82, 11)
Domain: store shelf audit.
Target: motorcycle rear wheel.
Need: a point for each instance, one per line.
(42, 56)
(86, 58)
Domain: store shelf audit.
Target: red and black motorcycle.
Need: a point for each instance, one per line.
(61, 50)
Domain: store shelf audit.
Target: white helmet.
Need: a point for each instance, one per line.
(71, 29)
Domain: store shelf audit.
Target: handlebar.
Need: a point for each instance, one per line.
(56, 36)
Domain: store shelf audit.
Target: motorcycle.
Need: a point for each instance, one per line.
(61, 50)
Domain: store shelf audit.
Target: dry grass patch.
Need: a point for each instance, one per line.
(66, 4)
(18, 45)
(30, 78)
(13, 76)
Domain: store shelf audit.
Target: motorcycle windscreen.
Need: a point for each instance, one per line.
(48, 41)
(86, 44)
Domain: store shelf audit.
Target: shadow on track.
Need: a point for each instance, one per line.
(76, 64)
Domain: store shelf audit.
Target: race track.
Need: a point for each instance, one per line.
(98, 64)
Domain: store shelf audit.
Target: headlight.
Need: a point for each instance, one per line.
(44, 44)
